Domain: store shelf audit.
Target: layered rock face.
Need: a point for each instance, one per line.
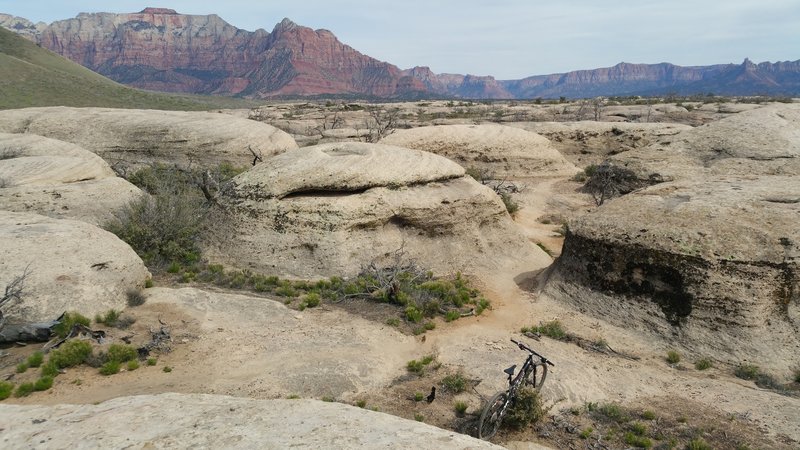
(328, 209)
(59, 180)
(158, 49)
(71, 266)
(502, 150)
(710, 260)
(147, 136)
(215, 421)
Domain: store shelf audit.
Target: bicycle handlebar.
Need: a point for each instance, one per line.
(526, 348)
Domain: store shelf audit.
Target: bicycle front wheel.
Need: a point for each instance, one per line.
(536, 376)
(492, 416)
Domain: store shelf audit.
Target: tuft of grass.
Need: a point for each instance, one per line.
(393, 322)
(418, 367)
(452, 315)
(133, 365)
(151, 361)
(36, 359)
(361, 403)
(673, 357)
(698, 444)
(312, 300)
(455, 383)
(511, 206)
(609, 412)
(585, 433)
(43, 384)
(167, 369)
(148, 283)
(328, 399)
(110, 318)
(703, 364)
(553, 329)
(24, 390)
(6, 388)
(22, 367)
(418, 396)
(292, 397)
(637, 441)
(746, 371)
(419, 417)
(50, 369)
(638, 429)
(110, 368)
(648, 415)
(460, 408)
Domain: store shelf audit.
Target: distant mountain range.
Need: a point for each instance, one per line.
(159, 49)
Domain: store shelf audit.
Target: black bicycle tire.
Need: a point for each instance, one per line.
(495, 405)
(529, 378)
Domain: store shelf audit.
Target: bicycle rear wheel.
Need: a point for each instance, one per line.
(536, 376)
(492, 416)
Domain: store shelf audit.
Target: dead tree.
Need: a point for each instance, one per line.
(22, 332)
(381, 123)
(607, 181)
(257, 157)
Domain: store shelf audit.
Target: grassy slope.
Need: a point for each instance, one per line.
(32, 76)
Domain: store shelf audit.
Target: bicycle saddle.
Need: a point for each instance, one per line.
(510, 370)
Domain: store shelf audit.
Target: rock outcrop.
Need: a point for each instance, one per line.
(147, 136)
(328, 209)
(71, 266)
(504, 151)
(59, 180)
(209, 421)
(710, 260)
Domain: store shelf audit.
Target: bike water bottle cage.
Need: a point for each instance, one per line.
(510, 370)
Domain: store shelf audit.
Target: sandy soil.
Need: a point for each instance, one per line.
(254, 347)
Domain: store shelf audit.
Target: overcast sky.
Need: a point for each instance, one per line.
(505, 38)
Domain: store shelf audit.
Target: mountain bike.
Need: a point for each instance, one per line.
(533, 373)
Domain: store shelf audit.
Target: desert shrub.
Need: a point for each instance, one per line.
(460, 408)
(610, 412)
(110, 368)
(526, 409)
(511, 206)
(6, 389)
(43, 384)
(606, 181)
(24, 390)
(455, 383)
(135, 296)
(312, 300)
(167, 369)
(121, 353)
(110, 318)
(36, 359)
(703, 364)
(637, 441)
(413, 314)
(746, 371)
(673, 357)
(70, 354)
(553, 329)
(68, 321)
(767, 381)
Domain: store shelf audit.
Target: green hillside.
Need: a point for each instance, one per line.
(32, 76)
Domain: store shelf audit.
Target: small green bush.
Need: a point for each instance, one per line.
(70, 354)
(452, 315)
(148, 283)
(68, 321)
(24, 390)
(133, 365)
(418, 396)
(415, 366)
(511, 206)
(167, 369)
(110, 368)
(673, 357)
(6, 389)
(526, 409)
(584, 434)
(413, 314)
(455, 383)
(50, 369)
(419, 417)
(648, 415)
(43, 384)
(611, 412)
(312, 300)
(361, 403)
(393, 322)
(121, 353)
(638, 429)
(174, 267)
(746, 371)
(460, 408)
(36, 359)
(637, 441)
(151, 361)
(328, 399)
(703, 364)
(22, 367)
(553, 329)
(110, 318)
